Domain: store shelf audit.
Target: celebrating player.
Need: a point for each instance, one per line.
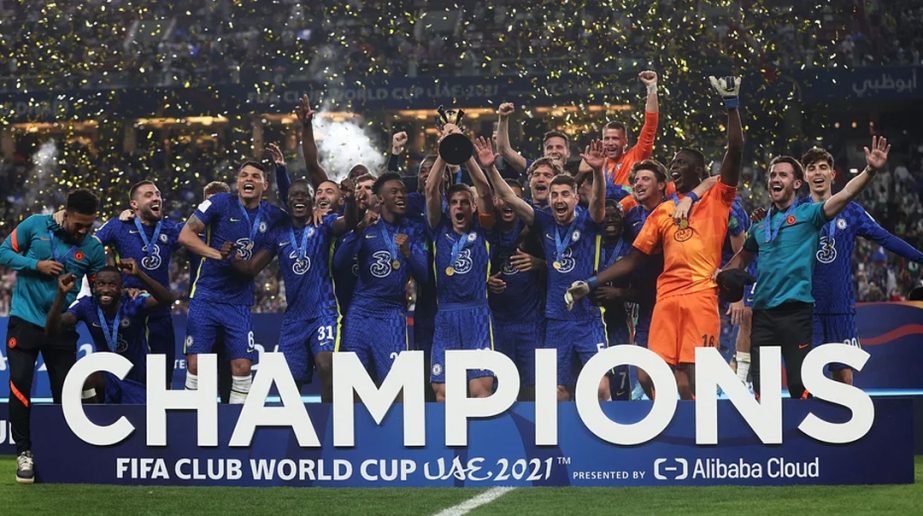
(221, 298)
(787, 243)
(311, 324)
(116, 321)
(834, 299)
(686, 313)
(149, 239)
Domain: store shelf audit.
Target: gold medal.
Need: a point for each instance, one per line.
(450, 271)
(683, 224)
(556, 265)
(396, 264)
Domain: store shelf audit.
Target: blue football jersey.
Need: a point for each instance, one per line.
(226, 219)
(383, 269)
(305, 266)
(345, 269)
(579, 254)
(462, 262)
(832, 284)
(523, 300)
(150, 246)
(128, 339)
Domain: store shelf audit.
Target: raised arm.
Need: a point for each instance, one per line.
(316, 173)
(160, 294)
(507, 195)
(398, 142)
(513, 158)
(56, 320)
(433, 190)
(487, 158)
(649, 79)
(594, 157)
(729, 88)
(350, 215)
(870, 229)
(875, 159)
(283, 181)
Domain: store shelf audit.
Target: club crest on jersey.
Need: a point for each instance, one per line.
(472, 236)
(164, 238)
(841, 223)
(188, 343)
(826, 249)
(437, 369)
(576, 235)
(683, 235)
(262, 227)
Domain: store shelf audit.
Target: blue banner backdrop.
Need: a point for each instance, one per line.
(500, 451)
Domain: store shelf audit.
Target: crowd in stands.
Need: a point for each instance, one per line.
(120, 43)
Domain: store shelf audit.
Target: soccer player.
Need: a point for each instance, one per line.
(615, 138)
(834, 299)
(389, 253)
(686, 312)
(787, 244)
(615, 296)
(556, 152)
(116, 321)
(516, 293)
(40, 249)
(220, 302)
(311, 324)
(462, 260)
(344, 266)
(571, 242)
(149, 239)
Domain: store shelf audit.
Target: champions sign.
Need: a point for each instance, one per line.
(388, 436)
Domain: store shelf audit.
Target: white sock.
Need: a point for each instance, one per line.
(240, 387)
(192, 381)
(743, 366)
(88, 393)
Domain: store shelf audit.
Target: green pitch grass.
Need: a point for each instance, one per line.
(93, 499)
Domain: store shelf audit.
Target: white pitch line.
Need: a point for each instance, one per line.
(473, 503)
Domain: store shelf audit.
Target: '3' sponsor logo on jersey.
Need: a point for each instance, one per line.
(381, 267)
(826, 250)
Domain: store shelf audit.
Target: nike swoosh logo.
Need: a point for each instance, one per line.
(548, 236)
(232, 219)
(636, 223)
(802, 346)
(96, 325)
(369, 236)
(133, 231)
(283, 244)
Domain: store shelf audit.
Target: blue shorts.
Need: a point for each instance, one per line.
(749, 293)
(301, 340)
(460, 327)
(124, 391)
(376, 338)
(518, 340)
(208, 321)
(835, 329)
(643, 328)
(574, 340)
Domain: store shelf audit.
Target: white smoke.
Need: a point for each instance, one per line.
(343, 145)
(40, 182)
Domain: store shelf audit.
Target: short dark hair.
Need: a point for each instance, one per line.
(555, 134)
(799, 170)
(216, 187)
(357, 171)
(555, 168)
(654, 166)
(384, 178)
(428, 157)
(615, 124)
(139, 184)
(699, 159)
(515, 183)
(459, 187)
(564, 179)
(814, 155)
(612, 203)
(82, 201)
(254, 164)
